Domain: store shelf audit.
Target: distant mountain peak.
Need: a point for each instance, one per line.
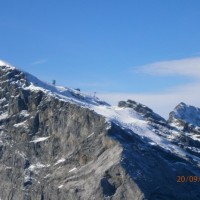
(185, 113)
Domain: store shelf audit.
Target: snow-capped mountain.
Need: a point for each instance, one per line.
(58, 143)
(185, 115)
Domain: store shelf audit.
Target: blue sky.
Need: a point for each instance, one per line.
(108, 46)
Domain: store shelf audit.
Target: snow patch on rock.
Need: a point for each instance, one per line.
(39, 139)
(60, 161)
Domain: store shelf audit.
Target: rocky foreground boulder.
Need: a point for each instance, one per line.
(57, 143)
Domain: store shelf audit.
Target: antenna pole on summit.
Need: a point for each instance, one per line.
(54, 82)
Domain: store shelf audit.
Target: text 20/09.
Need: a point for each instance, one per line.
(187, 179)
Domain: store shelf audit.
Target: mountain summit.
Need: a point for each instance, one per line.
(58, 143)
(186, 114)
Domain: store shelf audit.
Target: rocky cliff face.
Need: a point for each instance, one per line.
(57, 143)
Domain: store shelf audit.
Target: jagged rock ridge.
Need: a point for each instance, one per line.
(57, 143)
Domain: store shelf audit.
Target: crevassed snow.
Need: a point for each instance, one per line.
(60, 161)
(128, 119)
(73, 169)
(39, 139)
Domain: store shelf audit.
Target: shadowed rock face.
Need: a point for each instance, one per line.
(54, 149)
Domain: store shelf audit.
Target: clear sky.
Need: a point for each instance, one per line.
(139, 49)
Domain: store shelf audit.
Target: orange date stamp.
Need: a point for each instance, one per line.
(188, 179)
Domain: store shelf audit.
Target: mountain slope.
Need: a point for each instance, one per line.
(57, 143)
